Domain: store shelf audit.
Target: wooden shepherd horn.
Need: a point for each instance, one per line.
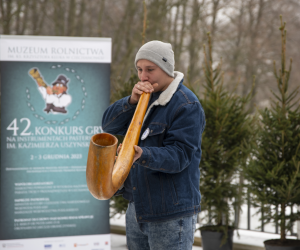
(104, 176)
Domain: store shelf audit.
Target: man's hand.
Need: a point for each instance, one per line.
(49, 90)
(138, 89)
(137, 155)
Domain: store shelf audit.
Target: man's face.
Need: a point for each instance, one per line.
(58, 88)
(149, 71)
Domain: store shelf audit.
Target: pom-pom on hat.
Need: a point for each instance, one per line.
(159, 53)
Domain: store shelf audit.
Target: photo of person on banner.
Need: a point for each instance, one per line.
(56, 97)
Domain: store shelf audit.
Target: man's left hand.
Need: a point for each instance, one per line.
(137, 154)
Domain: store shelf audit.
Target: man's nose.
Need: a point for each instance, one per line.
(144, 76)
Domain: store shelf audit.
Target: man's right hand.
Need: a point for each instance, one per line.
(138, 89)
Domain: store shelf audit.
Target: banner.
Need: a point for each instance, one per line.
(54, 91)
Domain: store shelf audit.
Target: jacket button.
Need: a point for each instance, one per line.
(125, 106)
(151, 131)
(140, 217)
(134, 188)
(133, 166)
(143, 162)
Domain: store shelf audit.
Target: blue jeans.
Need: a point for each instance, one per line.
(177, 234)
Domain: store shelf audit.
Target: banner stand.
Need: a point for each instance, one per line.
(54, 91)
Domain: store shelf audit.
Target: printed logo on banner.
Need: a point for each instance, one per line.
(48, 246)
(56, 95)
(81, 244)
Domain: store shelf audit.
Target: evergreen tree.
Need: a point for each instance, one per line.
(125, 88)
(227, 127)
(274, 169)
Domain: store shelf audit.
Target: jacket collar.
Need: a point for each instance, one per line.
(167, 94)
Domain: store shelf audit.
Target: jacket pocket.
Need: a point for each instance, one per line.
(156, 134)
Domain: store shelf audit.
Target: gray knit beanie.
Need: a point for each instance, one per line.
(159, 53)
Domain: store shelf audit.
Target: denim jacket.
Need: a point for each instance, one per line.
(165, 179)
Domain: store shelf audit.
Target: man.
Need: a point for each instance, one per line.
(163, 183)
(56, 98)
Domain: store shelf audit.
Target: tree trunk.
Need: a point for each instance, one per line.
(100, 17)
(282, 222)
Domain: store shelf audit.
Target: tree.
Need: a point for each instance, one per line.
(242, 30)
(228, 126)
(274, 169)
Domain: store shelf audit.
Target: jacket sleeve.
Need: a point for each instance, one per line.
(117, 117)
(182, 141)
